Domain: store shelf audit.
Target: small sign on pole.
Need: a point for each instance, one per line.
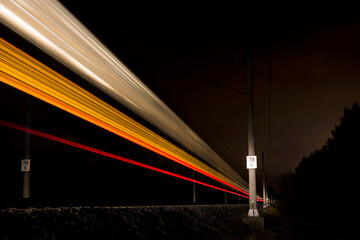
(25, 165)
(251, 162)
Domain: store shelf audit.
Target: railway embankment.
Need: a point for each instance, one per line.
(145, 222)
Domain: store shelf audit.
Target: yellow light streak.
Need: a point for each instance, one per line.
(29, 75)
(52, 28)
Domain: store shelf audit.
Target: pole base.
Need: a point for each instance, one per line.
(253, 212)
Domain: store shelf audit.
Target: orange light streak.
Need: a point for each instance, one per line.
(26, 74)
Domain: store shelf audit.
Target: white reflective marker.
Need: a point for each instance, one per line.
(251, 162)
(25, 165)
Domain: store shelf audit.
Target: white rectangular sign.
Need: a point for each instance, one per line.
(251, 162)
(25, 165)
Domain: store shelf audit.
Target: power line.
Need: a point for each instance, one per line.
(210, 80)
(269, 78)
(220, 144)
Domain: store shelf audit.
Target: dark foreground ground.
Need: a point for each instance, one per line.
(153, 222)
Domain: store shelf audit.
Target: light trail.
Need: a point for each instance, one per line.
(110, 155)
(23, 72)
(52, 28)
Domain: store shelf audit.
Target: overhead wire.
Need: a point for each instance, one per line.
(212, 131)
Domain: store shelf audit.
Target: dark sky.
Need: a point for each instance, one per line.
(182, 51)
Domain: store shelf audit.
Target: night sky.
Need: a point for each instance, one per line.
(192, 57)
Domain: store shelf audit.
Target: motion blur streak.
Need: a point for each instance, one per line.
(25, 73)
(90, 149)
(51, 27)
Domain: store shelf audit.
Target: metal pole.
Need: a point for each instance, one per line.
(26, 171)
(225, 200)
(253, 212)
(266, 196)
(194, 192)
(269, 94)
(264, 181)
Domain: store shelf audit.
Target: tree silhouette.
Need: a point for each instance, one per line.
(327, 179)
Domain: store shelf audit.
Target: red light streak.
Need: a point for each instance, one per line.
(90, 149)
(107, 127)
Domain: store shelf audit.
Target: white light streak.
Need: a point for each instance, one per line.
(55, 30)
